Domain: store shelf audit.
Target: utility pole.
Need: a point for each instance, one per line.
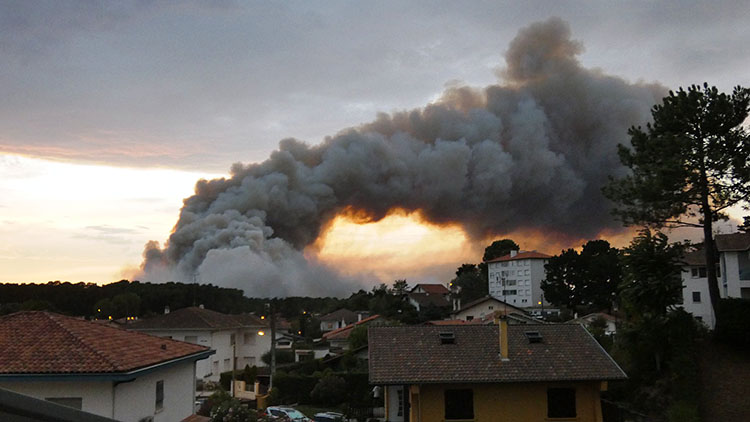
(273, 345)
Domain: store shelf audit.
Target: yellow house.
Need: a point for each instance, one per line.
(528, 372)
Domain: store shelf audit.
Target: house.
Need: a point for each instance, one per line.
(490, 372)
(516, 278)
(732, 271)
(239, 340)
(421, 301)
(432, 289)
(610, 321)
(338, 340)
(337, 319)
(484, 307)
(97, 368)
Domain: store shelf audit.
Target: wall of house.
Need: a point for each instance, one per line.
(392, 403)
(702, 309)
(96, 395)
(482, 309)
(137, 399)
(251, 346)
(512, 402)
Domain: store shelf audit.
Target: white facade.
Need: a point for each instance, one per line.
(250, 346)
(129, 401)
(517, 281)
(482, 309)
(734, 282)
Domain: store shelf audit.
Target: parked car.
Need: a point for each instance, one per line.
(286, 414)
(328, 417)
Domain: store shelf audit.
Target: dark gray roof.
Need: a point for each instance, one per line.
(414, 354)
(732, 242)
(195, 318)
(337, 315)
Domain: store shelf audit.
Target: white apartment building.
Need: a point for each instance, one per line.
(733, 274)
(516, 278)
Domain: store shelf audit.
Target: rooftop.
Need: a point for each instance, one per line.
(344, 332)
(437, 289)
(35, 342)
(197, 319)
(414, 354)
(339, 314)
(732, 242)
(520, 255)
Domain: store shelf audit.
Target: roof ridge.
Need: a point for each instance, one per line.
(78, 340)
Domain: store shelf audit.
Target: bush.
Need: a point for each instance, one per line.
(732, 320)
(329, 391)
(682, 411)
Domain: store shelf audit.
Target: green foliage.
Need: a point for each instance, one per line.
(358, 337)
(696, 150)
(683, 411)
(471, 285)
(330, 390)
(227, 409)
(249, 374)
(651, 275)
(499, 248)
(732, 320)
(400, 287)
(587, 281)
(692, 161)
(598, 329)
(282, 357)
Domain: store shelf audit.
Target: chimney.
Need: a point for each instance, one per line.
(359, 316)
(503, 328)
(513, 253)
(166, 309)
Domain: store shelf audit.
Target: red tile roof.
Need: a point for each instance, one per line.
(34, 342)
(344, 332)
(437, 289)
(521, 255)
(414, 354)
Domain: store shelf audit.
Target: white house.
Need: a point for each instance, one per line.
(239, 340)
(485, 307)
(516, 278)
(338, 319)
(97, 368)
(733, 274)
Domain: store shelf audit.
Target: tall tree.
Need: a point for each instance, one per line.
(586, 281)
(692, 161)
(499, 248)
(652, 283)
(400, 287)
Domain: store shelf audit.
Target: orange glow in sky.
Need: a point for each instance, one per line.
(398, 246)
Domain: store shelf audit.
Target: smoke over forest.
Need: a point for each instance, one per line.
(531, 152)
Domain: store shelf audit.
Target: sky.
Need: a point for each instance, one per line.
(112, 111)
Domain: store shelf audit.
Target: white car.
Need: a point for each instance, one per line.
(286, 413)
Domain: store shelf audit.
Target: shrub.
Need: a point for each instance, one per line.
(329, 390)
(732, 320)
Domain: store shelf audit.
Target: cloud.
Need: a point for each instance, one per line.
(531, 152)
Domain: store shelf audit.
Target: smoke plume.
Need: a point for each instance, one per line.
(529, 153)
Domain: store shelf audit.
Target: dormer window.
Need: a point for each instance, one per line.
(533, 336)
(447, 338)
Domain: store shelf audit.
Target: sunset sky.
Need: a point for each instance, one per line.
(111, 112)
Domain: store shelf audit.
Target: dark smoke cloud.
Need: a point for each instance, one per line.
(532, 152)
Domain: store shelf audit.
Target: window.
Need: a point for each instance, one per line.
(231, 339)
(74, 402)
(226, 364)
(491, 307)
(159, 395)
(469, 317)
(215, 367)
(698, 272)
(250, 360)
(459, 404)
(696, 297)
(191, 339)
(249, 338)
(561, 403)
